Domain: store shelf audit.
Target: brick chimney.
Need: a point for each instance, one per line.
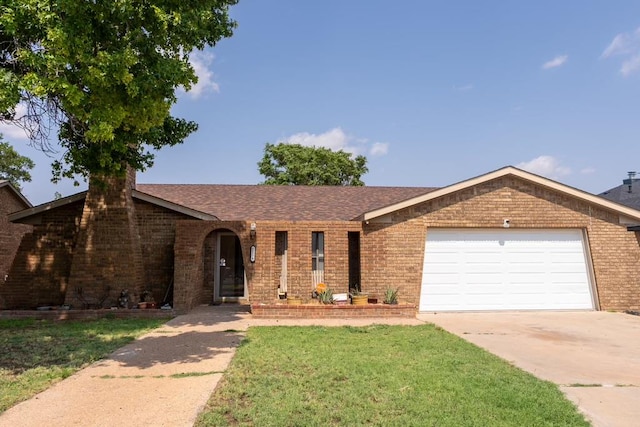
(107, 257)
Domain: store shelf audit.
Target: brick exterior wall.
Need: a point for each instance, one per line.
(40, 272)
(107, 257)
(393, 247)
(156, 227)
(194, 244)
(40, 275)
(264, 288)
(10, 234)
(195, 247)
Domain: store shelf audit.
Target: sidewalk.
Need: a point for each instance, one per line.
(164, 378)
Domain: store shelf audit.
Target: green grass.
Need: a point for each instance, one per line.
(34, 354)
(378, 375)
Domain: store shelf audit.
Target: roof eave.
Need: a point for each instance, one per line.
(24, 215)
(173, 206)
(509, 170)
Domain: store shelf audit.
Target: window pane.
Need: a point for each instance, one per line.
(317, 250)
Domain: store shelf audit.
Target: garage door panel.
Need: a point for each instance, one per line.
(522, 268)
(505, 270)
(527, 278)
(481, 289)
(475, 269)
(562, 257)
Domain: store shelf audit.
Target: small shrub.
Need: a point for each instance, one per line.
(326, 297)
(391, 296)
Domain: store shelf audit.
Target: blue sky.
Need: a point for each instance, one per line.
(431, 92)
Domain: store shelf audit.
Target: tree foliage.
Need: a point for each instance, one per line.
(295, 164)
(103, 74)
(14, 167)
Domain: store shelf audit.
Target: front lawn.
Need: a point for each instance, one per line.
(378, 375)
(34, 354)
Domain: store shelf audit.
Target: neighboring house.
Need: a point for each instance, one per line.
(11, 200)
(627, 194)
(506, 240)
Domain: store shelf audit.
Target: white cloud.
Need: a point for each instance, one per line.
(201, 63)
(336, 139)
(11, 131)
(547, 166)
(626, 45)
(463, 88)
(588, 170)
(558, 61)
(631, 65)
(379, 149)
(623, 44)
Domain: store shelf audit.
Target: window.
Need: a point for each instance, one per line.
(317, 251)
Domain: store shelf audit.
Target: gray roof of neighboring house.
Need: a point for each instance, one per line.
(627, 194)
(281, 202)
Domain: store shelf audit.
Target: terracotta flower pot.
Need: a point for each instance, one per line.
(294, 301)
(359, 299)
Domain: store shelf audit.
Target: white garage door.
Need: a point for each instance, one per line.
(506, 269)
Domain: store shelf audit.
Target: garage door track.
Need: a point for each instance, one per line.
(593, 356)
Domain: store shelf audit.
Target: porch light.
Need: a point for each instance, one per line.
(252, 230)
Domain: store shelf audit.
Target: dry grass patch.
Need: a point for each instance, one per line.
(38, 353)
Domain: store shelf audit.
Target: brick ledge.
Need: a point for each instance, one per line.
(276, 311)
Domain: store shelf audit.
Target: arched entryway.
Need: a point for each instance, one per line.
(225, 275)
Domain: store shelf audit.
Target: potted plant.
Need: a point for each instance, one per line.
(391, 296)
(146, 300)
(294, 300)
(358, 297)
(326, 297)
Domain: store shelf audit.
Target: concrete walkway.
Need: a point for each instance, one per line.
(593, 356)
(164, 378)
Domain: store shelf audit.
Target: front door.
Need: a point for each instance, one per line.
(230, 280)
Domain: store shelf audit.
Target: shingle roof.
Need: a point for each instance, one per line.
(624, 195)
(289, 203)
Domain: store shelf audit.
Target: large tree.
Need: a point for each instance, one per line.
(103, 74)
(295, 164)
(14, 167)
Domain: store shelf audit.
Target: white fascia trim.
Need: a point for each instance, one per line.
(509, 170)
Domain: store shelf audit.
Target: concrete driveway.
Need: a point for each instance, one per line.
(593, 356)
